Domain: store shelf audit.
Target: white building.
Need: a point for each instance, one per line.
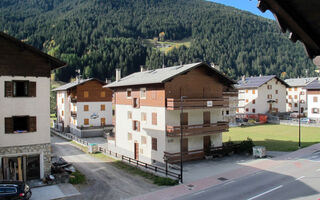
(147, 110)
(297, 91)
(25, 150)
(262, 94)
(84, 108)
(313, 92)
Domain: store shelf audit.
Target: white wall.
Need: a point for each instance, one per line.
(38, 106)
(312, 105)
(65, 107)
(94, 108)
(292, 100)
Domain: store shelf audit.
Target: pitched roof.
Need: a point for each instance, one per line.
(296, 82)
(162, 75)
(75, 83)
(314, 85)
(54, 62)
(257, 81)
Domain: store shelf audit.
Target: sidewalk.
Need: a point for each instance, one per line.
(228, 176)
(54, 192)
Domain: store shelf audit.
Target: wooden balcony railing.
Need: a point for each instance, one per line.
(186, 156)
(73, 113)
(174, 104)
(188, 130)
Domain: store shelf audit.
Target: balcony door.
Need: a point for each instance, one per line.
(206, 143)
(206, 118)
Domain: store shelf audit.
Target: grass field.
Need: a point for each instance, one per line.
(275, 137)
(171, 44)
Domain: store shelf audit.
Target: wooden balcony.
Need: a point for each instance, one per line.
(190, 130)
(73, 113)
(174, 104)
(186, 156)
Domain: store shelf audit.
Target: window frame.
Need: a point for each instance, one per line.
(127, 92)
(143, 90)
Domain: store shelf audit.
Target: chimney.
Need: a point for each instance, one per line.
(243, 78)
(217, 67)
(118, 74)
(260, 75)
(142, 68)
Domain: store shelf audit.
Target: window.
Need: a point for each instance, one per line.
(277, 100)
(103, 94)
(290, 89)
(20, 89)
(20, 124)
(103, 121)
(154, 144)
(315, 110)
(247, 109)
(135, 103)
(154, 119)
(143, 140)
(246, 91)
(86, 94)
(290, 105)
(102, 107)
(136, 125)
(315, 99)
(253, 101)
(247, 100)
(302, 101)
(269, 87)
(86, 121)
(143, 93)
(129, 115)
(302, 92)
(153, 95)
(295, 89)
(129, 136)
(62, 113)
(143, 116)
(227, 112)
(290, 97)
(62, 100)
(85, 107)
(295, 105)
(269, 96)
(237, 110)
(129, 91)
(276, 91)
(253, 91)
(253, 110)
(295, 96)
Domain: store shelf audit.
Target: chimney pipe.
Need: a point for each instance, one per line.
(243, 78)
(118, 74)
(142, 68)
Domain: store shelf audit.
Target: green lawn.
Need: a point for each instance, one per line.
(173, 44)
(275, 137)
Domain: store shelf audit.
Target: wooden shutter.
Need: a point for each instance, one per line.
(138, 126)
(32, 89)
(8, 121)
(8, 89)
(154, 118)
(32, 124)
(154, 144)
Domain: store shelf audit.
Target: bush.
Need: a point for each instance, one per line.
(246, 146)
(164, 181)
(77, 178)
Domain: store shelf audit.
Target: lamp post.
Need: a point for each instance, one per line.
(299, 122)
(181, 136)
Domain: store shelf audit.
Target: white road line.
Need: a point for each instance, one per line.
(229, 182)
(300, 178)
(266, 192)
(197, 193)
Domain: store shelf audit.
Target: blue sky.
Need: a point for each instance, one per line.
(248, 5)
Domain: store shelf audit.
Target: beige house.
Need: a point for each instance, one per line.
(25, 151)
(148, 116)
(261, 94)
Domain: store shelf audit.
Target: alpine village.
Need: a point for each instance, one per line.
(159, 99)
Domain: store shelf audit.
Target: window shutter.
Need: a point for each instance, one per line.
(32, 89)
(154, 118)
(8, 89)
(133, 123)
(138, 128)
(154, 144)
(138, 102)
(8, 121)
(32, 124)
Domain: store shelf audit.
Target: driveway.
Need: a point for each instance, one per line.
(104, 181)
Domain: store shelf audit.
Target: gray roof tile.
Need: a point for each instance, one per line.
(257, 81)
(299, 82)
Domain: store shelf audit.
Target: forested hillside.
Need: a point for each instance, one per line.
(99, 35)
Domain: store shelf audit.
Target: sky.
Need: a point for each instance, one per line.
(248, 5)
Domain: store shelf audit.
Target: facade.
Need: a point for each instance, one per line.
(25, 151)
(260, 95)
(295, 92)
(313, 92)
(147, 112)
(84, 108)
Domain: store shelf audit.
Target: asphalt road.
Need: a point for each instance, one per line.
(104, 181)
(293, 179)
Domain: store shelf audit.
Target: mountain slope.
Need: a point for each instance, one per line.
(99, 35)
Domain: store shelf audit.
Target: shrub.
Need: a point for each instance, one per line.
(77, 178)
(246, 146)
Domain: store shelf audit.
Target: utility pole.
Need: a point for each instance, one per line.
(299, 122)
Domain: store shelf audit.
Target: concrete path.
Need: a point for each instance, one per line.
(54, 192)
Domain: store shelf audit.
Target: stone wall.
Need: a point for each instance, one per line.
(30, 149)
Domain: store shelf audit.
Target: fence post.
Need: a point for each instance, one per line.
(146, 165)
(166, 168)
(137, 163)
(129, 160)
(156, 169)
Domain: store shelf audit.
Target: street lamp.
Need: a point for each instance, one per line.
(181, 133)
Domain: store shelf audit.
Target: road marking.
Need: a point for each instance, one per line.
(228, 182)
(266, 192)
(300, 178)
(197, 193)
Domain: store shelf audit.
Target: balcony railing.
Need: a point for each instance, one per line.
(188, 130)
(186, 156)
(73, 99)
(174, 104)
(73, 114)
